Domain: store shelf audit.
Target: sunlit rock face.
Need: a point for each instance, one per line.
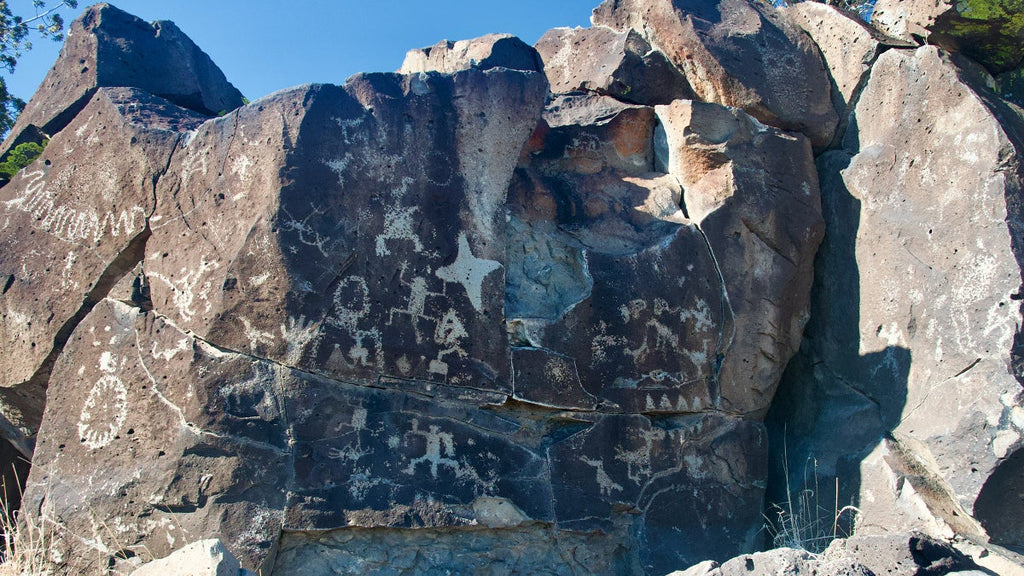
(516, 310)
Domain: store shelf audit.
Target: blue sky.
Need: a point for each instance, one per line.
(264, 45)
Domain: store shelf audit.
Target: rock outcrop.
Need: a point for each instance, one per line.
(107, 47)
(618, 64)
(518, 310)
(914, 336)
(737, 53)
(73, 223)
(895, 554)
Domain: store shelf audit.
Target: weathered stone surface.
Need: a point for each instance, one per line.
(914, 339)
(662, 471)
(483, 53)
(203, 558)
(989, 31)
(737, 53)
(618, 64)
(894, 554)
(908, 554)
(108, 47)
(131, 387)
(533, 549)
(412, 289)
(589, 206)
(754, 193)
(776, 562)
(70, 225)
(848, 45)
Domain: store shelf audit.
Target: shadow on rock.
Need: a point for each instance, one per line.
(836, 402)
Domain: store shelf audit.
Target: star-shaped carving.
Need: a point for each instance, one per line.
(469, 271)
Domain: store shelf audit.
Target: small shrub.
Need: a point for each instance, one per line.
(21, 156)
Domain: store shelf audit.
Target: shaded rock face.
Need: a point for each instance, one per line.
(914, 333)
(736, 53)
(109, 47)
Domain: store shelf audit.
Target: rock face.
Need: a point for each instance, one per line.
(914, 337)
(618, 64)
(895, 554)
(74, 232)
(483, 53)
(460, 319)
(736, 53)
(420, 310)
(109, 47)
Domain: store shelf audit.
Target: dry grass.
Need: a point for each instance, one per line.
(802, 521)
(28, 545)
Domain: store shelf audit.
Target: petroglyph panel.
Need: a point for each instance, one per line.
(705, 469)
(66, 220)
(209, 425)
(380, 247)
(366, 457)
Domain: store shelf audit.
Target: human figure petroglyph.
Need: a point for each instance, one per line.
(436, 442)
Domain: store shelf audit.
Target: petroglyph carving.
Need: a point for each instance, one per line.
(469, 271)
(104, 411)
(298, 334)
(189, 287)
(603, 479)
(255, 335)
(398, 225)
(168, 354)
(307, 235)
(440, 446)
(69, 223)
(351, 305)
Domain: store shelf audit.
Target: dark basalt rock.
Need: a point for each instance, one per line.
(70, 225)
(618, 64)
(107, 47)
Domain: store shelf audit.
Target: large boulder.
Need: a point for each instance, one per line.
(618, 64)
(739, 53)
(893, 554)
(849, 46)
(989, 31)
(914, 342)
(71, 224)
(264, 270)
(753, 191)
(483, 53)
(108, 47)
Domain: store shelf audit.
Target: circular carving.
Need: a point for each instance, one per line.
(104, 412)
